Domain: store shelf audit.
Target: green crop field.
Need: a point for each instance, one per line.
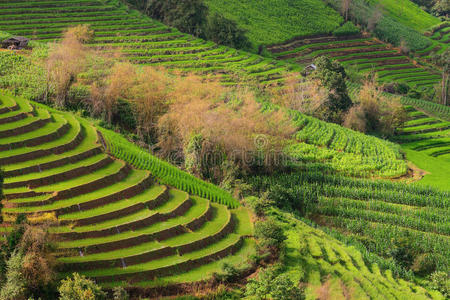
(361, 52)
(426, 140)
(336, 271)
(269, 22)
(141, 39)
(378, 213)
(115, 223)
(408, 13)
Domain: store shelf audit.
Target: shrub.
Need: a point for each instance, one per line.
(14, 287)
(440, 281)
(424, 264)
(119, 293)
(269, 234)
(284, 289)
(347, 29)
(80, 288)
(225, 32)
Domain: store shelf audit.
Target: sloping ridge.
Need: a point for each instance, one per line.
(113, 222)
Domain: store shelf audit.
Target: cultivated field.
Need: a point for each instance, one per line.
(335, 271)
(379, 213)
(268, 22)
(114, 222)
(364, 53)
(141, 39)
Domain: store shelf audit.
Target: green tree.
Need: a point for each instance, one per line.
(189, 16)
(225, 32)
(443, 61)
(80, 288)
(332, 76)
(284, 289)
(270, 234)
(14, 287)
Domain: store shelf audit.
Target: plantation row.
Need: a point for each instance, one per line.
(424, 132)
(113, 222)
(347, 150)
(327, 264)
(361, 52)
(363, 207)
(141, 39)
(440, 37)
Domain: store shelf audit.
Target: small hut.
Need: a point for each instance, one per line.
(15, 43)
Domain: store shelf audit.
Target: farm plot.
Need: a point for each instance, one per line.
(347, 151)
(269, 22)
(341, 272)
(113, 222)
(143, 40)
(376, 212)
(426, 133)
(364, 53)
(440, 38)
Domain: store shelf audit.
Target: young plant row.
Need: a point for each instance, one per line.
(166, 173)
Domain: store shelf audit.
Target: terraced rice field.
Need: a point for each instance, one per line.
(426, 133)
(345, 150)
(364, 53)
(378, 212)
(141, 39)
(335, 271)
(440, 38)
(112, 222)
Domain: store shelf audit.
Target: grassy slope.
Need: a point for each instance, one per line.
(438, 169)
(333, 270)
(269, 22)
(408, 13)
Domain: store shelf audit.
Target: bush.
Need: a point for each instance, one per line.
(269, 234)
(80, 288)
(440, 281)
(424, 264)
(119, 293)
(347, 29)
(225, 32)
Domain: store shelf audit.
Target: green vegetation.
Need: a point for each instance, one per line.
(360, 53)
(141, 39)
(408, 13)
(329, 267)
(111, 213)
(272, 22)
(384, 216)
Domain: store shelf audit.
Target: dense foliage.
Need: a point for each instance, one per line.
(165, 172)
(384, 18)
(268, 22)
(193, 17)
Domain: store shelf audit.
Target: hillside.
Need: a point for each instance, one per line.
(141, 39)
(407, 13)
(271, 22)
(138, 161)
(112, 222)
(336, 271)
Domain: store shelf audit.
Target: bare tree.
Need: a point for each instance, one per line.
(345, 8)
(443, 60)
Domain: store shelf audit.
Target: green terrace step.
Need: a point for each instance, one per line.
(182, 213)
(26, 125)
(86, 147)
(58, 174)
(65, 142)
